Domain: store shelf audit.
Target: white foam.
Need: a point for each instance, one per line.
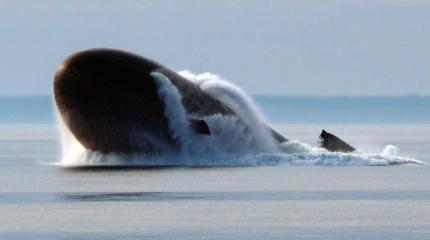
(316, 157)
(302, 154)
(198, 78)
(390, 151)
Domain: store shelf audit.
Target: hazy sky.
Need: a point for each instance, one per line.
(303, 47)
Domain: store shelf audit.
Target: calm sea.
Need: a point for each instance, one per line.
(40, 200)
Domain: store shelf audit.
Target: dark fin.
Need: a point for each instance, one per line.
(200, 126)
(277, 135)
(333, 143)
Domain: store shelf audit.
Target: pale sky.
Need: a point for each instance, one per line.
(291, 47)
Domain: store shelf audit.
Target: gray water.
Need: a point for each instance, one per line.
(40, 200)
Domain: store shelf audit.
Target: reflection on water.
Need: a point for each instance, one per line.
(117, 168)
(132, 196)
(246, 196)
(198, 234)
(212, 196)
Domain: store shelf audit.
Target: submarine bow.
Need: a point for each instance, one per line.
(110, 101)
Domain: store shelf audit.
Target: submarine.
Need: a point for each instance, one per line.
(113, 101)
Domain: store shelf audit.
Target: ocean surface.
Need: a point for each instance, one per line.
(40, 199)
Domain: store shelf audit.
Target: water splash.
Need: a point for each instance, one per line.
(71, 148)
(241, 104)
(179, 125)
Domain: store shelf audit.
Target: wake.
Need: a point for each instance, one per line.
(231, 143)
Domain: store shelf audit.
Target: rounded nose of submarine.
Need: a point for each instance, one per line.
(109, 101)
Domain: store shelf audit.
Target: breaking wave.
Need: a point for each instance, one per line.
(231, 142)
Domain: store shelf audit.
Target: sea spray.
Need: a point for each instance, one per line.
(228, 133)
(390, 151)
(295, 146)
(179, 124)
(71, 148)
(238, 101)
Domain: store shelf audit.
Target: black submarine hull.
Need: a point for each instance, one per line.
(108, 99)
